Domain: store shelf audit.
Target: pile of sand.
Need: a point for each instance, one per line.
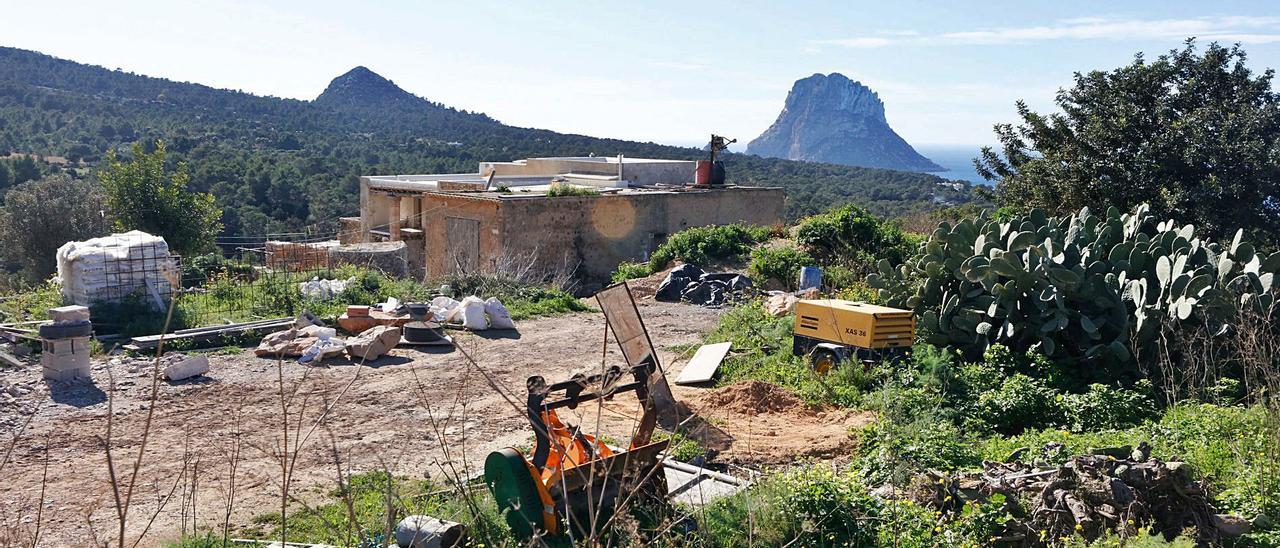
(757, 423)
(755, 397)
(646, 287)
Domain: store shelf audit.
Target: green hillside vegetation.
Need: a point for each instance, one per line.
(277, 165)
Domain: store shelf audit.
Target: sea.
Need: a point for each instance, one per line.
(958, 159)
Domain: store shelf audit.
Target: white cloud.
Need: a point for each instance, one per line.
(1247, 29)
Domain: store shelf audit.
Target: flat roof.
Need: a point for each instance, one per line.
(425, 183)
(540, 191)
(604, 159)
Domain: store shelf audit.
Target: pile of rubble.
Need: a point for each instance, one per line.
(1113, 489)
(691, 284)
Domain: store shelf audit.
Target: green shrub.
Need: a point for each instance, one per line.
(628, 270)
(894, 448)
(681, 448)
(1106, 407)
(1237, 447)
(201, 269)
(779, 264)
(277, 297)
(136, 314)
(841, 278)
(703, 245)
(563, 189)
(822, 506)
(1019, 403)
(852, 236)
(32, 304)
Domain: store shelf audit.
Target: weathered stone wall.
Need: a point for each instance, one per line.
(593, 233)
(599, 232)
(389, 257)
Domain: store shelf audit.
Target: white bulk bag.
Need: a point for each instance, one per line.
(499, 317)
(473, 315)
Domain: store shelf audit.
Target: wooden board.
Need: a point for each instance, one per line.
(624, 320)
(704, 364)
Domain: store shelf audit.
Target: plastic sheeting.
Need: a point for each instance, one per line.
(114, 267)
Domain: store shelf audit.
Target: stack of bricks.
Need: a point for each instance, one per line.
(66, 343)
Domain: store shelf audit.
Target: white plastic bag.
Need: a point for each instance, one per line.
(322, 349)
(323, 290)
(499, 317)
(391, 305)
(443, 309)
(473, 317)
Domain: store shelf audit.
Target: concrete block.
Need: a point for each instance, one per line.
(72, 313)
(70, 374)
(65, 347)
(65, 362)
(190, 367)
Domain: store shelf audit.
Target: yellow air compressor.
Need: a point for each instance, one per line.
(831, 331)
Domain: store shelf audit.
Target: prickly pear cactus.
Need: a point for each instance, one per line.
(1082, 287)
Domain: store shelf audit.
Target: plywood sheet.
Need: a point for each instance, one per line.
(702, 367)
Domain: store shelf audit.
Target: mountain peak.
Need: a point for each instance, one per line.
(833, 119)
(363, 87)
(838, 93)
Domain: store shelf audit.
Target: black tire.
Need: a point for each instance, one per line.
(53, 331)
(823, 360)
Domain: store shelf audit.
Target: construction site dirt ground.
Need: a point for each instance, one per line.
(398, 413)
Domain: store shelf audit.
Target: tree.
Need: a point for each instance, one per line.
(25, 169)
(143, 195)
(1195, 135)
(39, 216)
(6, 177)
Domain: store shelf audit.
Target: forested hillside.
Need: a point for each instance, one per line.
(283, 164)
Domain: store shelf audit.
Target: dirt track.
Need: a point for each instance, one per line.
(380, 417)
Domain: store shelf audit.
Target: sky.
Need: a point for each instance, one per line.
(669, 72)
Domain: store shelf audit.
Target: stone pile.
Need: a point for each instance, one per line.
(65, 343)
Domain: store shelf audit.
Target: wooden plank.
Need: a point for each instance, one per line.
(212, 329)
(7, 358)
(152, 341)
(702, 367)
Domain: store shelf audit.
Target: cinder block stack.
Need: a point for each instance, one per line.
(66, 343)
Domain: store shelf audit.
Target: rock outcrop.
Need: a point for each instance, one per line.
(836, 120)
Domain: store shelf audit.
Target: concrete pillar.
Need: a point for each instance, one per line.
(366, 214)
(394, 226)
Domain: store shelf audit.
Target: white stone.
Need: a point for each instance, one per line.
(71, 313)
(195, 365)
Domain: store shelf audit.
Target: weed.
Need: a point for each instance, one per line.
(563, 189)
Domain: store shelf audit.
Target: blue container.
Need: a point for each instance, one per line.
(810, 276)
